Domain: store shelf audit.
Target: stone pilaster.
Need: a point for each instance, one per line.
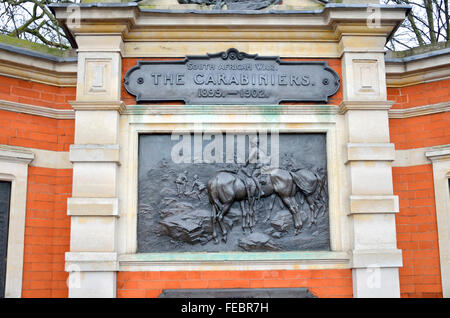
(93, 207)
(440, 158)
(371, 206)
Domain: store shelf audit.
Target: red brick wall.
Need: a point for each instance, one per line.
(417, 235)
(32, 131)
(416, 222)
(47, 232)
(27, 92)
(420, 131)
(322, 283)
(47, 226)
(420, 94)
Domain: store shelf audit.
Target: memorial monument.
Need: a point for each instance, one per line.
(232, 148)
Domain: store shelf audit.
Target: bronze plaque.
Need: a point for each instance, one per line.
(228, 192)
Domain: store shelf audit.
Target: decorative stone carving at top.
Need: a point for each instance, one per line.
(235, 4)
(239, 5)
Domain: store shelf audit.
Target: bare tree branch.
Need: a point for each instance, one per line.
(32, 20)
(428, 22)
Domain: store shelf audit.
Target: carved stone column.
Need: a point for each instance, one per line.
(371, 206)
(93, 207)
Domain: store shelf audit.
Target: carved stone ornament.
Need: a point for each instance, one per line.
(234, 4)
(232, 77)
(265, 198)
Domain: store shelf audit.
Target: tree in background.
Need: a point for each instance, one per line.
(427, 23)
(32, 20)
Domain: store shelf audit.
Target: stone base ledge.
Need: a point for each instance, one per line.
(234, 261)
(93, 206)
(370, 152)
(369, 204)
(376, 258)
(94, 153)
(91, 262)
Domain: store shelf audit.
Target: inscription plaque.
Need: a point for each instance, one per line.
(232, 77)
(232, 192)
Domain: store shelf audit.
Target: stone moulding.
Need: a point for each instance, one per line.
(438, 153)
(347, 105)
(14, 163)
(16, 154)
(369, 204)
(128, 19)
(410, 157)
(94, 153)
(231, 109)
(374, 258)
(419, 110)
(92, 207)
(233, 261)
(98, 105)
(167, 124)
(91, 261)
(370, 152)
(42, 68)
(37, 110)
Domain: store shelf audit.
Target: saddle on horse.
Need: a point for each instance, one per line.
(245, 177)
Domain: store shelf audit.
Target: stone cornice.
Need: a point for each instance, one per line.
(37, 67)
(422, 68)
(419, 110)
(221, 110)
(37, 110)
(121, 18)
